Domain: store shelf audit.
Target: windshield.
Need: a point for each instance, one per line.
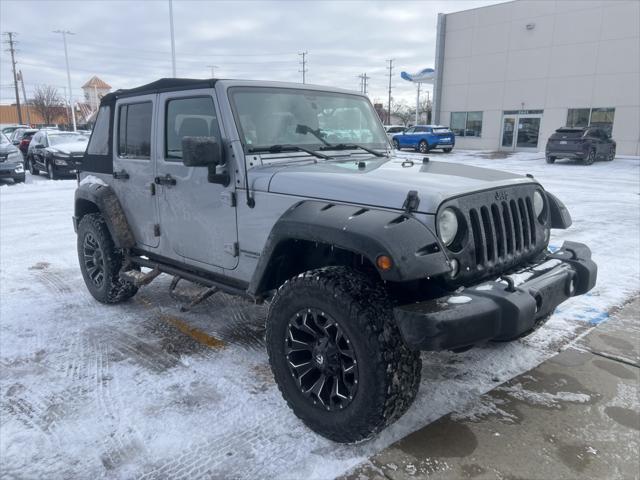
(66, 138)
(278, 116)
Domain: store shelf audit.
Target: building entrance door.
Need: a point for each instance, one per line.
(520, 130)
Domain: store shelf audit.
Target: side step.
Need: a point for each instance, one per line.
(139, 278)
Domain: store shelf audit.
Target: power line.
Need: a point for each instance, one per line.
(11, 43)
(304, 66)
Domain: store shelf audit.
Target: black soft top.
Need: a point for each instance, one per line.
(162, 85)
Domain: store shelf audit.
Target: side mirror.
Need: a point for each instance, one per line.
(204, 152)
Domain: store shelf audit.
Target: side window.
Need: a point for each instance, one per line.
(188, 117)
(409, 130)
(36, 138)
(99, 141)
(134, 130)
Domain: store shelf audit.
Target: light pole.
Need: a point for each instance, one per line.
(213, 67)
(173, 41)
(66, 58)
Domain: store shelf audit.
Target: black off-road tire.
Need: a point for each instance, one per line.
(590, 158)
(112, 289)
(549, 159)
(447, 150)
(32, 167)
(388, 371)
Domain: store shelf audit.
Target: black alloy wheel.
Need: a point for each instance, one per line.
(32, 168)
(321, 359)
(612, 154)
(93, 259)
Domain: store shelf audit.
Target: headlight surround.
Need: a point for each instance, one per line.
(538, 204)
(447, 226)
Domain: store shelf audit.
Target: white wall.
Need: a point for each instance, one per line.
(580, 54)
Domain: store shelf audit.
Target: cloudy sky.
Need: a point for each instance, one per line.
(127, 43)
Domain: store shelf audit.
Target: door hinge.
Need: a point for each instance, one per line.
(228, 198)
(156, 230)
(232, 248)
(152, 187)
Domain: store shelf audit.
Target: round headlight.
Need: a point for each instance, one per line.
(538, 203)
(447, 226)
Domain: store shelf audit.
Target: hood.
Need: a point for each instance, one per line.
(70, 148)
(382, 182)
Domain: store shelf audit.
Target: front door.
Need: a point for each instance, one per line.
(508, 132)
(197, 217)
(133, 166)
(520, 130)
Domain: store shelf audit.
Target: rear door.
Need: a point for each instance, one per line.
(407, 138)
(197, 217)
(134, 166)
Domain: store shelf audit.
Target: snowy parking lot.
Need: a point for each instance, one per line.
(143, 390)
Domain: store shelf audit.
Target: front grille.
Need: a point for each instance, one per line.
(502, 230)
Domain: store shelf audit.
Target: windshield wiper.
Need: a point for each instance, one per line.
(304, 129)
(286, 147)
(347, 146)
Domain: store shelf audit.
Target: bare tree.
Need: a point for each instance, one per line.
(402, 111)
(47, 103)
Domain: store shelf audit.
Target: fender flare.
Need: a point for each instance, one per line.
(415, 249)
(559, 214)
(106, 202)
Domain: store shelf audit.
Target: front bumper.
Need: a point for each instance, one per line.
(499, 310)
(11, 170)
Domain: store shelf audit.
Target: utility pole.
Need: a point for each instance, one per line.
(24, 96)
(173, 40)
(213, 67)
(304, 66)
(12, 49)
(418, 105)
(66, 58)
(363, 82)
(390, 68)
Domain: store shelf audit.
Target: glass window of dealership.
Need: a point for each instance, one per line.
(509, 75)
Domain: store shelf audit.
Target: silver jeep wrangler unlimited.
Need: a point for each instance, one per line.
(290, 193)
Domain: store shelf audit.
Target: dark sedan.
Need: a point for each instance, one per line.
(11, 164)
(55, 152)
(587, 144)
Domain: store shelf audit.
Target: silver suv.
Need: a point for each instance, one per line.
(291, 193)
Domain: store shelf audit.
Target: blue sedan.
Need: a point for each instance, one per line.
(425, 137)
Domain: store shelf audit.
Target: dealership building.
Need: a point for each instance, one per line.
(508, 75)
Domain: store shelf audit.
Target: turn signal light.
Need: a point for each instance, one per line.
(384, 262)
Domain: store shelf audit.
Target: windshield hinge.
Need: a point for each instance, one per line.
(232, 249)
(228, 198)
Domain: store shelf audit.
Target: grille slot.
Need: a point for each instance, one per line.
(503, 231)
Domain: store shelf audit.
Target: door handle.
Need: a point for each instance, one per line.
(121, 175)
(166, 180)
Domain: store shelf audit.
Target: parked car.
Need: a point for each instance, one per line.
(233, 184)
(393, 129)
(56, 152)
(424, 138)
(587, 144)
(8, 129)
(11, 163)
(21, 138)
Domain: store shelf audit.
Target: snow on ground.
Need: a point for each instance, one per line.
(89, 390)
